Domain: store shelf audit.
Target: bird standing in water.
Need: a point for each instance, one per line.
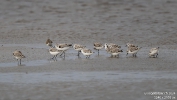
(18, 55)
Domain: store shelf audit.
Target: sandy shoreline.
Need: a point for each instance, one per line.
(25, 25)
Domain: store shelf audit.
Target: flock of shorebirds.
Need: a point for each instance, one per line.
(111, 48)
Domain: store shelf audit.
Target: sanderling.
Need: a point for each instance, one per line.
(78, 47)
(98, 46)
(112, 45)
(55, 52)
(49, 42)
(154, 52)
(115, 52)
(63, 47)
(87, 52)
(18, 55)
(129, 45)
(133, 50)
(109, 46)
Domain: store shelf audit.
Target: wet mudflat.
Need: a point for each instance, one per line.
(26, 25)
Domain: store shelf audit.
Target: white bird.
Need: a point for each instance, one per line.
(154, 52)
(87, 52)
(109, 46)
(18, 55)
(78, 48)
(55, 52)
(98, 46)
(133, 50)
(115, 52)
(63, 47)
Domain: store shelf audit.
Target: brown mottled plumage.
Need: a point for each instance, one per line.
(98, 46)
(112, 45)
(115, 51)
(54, 50)
(87, 51)
(133, 50)
(130, 45)
(18, 55)
(78, 47)
(49, 42)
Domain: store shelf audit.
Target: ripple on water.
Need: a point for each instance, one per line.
(25, 45)
(74, 76)
(29, 63)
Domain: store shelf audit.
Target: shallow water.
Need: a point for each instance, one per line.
(69, 76)
(25, 45)
(29, 63)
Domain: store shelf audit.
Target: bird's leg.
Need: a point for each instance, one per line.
(62, 53)
(98, 52)
(55, 57)
(20, 61)
(152, 56)
(127, 54)
(117, 56)
(78, 53)
(135, 54)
